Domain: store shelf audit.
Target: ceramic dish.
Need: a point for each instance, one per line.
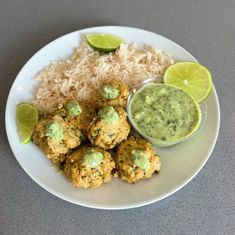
(180, 163)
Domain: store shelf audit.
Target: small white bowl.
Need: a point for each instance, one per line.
(160, 143)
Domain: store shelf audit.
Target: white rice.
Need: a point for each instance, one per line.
(80, 75)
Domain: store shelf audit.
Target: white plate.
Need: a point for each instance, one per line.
(180, 163)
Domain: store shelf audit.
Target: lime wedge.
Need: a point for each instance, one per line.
(104, 42)
(26, 118)
(192, 77)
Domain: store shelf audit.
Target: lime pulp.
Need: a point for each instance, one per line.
(192, 77)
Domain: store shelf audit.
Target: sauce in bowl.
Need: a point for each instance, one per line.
(163, 114)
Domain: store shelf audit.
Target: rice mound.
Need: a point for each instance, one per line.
(81, 74)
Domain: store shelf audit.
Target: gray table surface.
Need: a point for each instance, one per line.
(207, 29)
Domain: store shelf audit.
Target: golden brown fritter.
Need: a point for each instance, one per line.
(80, 121)
(113, 93)
(125, 163)
(57, 142)
(81, 175)
(108, 135)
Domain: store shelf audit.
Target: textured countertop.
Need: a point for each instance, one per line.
(206, 28)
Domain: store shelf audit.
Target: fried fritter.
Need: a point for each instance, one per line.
(136, 159)
(109, 128)
(113, 93)
(89, 167)
(56, 138)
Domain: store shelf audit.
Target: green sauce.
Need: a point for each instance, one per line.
(140, 159)
(164, 113)
(109, 115)
(92, 158)
(109, 92)
(55, 131)
(73, 108)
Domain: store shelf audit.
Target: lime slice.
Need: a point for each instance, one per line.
(104, 42)
(192, 77)
(26, 118)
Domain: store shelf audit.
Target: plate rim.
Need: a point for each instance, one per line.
(131, 205)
